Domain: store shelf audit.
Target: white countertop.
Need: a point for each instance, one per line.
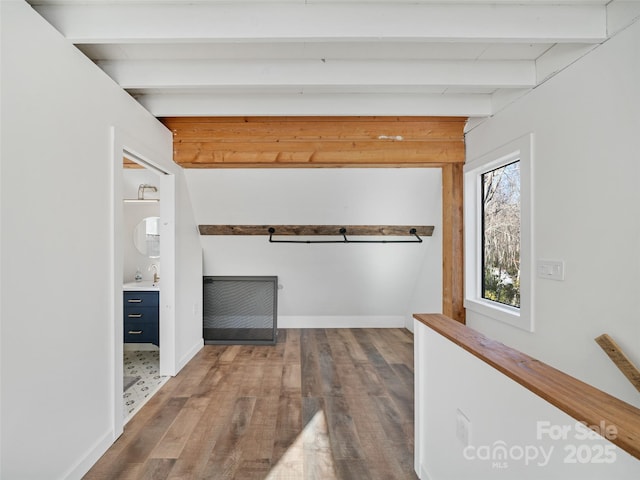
(144, 285)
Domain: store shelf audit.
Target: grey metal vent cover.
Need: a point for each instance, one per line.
(240, 310)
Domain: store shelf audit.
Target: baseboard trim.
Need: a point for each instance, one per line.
(83, 465)
(423, 473)
(408, 323)
(349, 321)
(190, 354)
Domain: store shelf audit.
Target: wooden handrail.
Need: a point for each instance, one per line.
(618, 357)
(580, 400)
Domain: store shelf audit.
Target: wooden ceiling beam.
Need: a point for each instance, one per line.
(334, 129)
(216, 142)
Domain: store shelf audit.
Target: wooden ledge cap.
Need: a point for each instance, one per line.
(580, 400)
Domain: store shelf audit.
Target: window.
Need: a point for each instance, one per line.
(498, 234)
(501, 234)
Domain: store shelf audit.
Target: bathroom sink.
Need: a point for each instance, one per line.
(144, 285)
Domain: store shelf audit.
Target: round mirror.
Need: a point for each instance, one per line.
(146, 237)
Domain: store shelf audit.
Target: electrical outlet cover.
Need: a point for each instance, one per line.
(463, 428)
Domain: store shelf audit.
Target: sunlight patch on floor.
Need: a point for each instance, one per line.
(309, 456)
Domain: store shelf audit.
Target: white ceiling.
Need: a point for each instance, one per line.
(320, 57)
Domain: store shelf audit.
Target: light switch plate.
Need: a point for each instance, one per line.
(550, 269)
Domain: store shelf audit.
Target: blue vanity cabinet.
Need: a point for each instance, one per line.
(141, 317)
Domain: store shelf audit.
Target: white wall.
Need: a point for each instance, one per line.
(427, 285)
(503, 416)
(330, 285)
(188, 285)
(586, 206)
(57, 276)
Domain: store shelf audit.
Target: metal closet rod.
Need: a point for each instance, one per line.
(343, 232)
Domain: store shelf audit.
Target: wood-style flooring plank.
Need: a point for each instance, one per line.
(352, 470)
(291, 380)
(373, 356)
(390, 353)
(227, 455)
(383, 455)
(291, 346)
(289, 413)
(311, 382)
(178, 434)
(329, 380)
(352, 345)
(157, 468)
(339, 349)
(195, 455)
(345, 442)
(370, 379)
(328, 404)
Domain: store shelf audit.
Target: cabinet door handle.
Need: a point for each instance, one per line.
(135, 332)
(135, 315)
(134, 300)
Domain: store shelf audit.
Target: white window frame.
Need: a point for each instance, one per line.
(519, 149)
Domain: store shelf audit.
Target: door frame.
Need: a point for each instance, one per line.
(127, 145)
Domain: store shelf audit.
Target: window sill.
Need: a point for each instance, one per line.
(503, 313)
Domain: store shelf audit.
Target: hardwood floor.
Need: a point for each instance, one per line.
(320, 404)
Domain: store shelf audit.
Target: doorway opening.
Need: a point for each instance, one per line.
(141, 284)
(148, 214)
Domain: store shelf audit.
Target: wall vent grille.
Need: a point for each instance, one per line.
(240, 310)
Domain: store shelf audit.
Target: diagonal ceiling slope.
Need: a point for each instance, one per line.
(318, 57)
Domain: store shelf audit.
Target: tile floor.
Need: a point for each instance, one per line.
(146, 365)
